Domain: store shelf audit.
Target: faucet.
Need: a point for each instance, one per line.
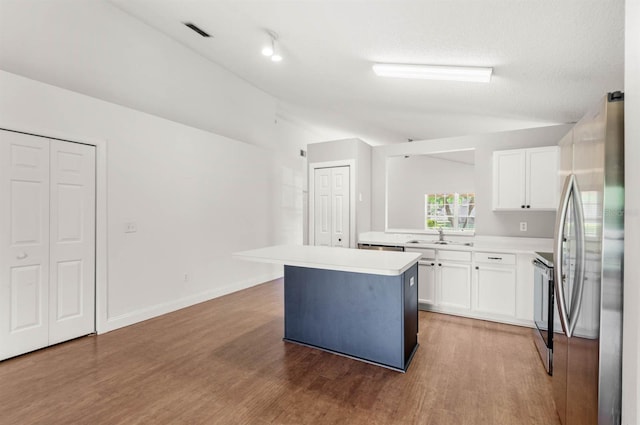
(440, 234)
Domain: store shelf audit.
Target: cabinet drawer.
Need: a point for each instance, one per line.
(427, 253)
(495, 258)
(454, 255)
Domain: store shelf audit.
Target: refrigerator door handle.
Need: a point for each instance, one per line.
(561, 219)
(578, 286)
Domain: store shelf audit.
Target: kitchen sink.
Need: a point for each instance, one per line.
(438, 242)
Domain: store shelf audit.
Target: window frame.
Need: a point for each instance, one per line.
(455, 213)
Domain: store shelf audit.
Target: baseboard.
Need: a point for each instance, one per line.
(478, 315)
(150, 312)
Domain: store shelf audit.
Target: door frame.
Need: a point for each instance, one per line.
(101, 270)
(352, 196)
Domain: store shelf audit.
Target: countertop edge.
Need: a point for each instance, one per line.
(328, 266)
(531, 244)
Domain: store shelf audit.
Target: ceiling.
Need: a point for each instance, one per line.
(551, 59)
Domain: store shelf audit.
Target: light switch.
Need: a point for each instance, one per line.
(130, 227)
(523, 226)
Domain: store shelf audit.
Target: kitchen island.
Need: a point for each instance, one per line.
(357, 303)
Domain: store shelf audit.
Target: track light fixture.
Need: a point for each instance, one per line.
(269, 50)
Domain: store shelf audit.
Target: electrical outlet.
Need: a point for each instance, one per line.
(523, 226)
(130, 227)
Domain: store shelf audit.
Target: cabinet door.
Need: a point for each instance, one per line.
(427, 283)
(496, 290)
(455, 285)
(542, 178)
(509, 179)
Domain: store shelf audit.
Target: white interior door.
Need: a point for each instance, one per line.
(340, 206)
(332, 206)
(322, 206)
(47, 242)
(72, 243)
(24, 243)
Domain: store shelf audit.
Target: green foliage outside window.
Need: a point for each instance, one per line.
(453, 211)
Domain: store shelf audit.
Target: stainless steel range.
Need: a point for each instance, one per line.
(543, 313)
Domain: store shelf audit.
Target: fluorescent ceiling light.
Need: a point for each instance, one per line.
(434, 72)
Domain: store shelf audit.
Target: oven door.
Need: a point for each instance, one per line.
(543, 301)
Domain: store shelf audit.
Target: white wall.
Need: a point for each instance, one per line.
(631, 333)
(409, 179)
(488, 223)
(196, 198)
(363, 201)
(94, 48)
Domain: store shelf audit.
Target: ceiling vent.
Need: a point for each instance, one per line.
(196, 29)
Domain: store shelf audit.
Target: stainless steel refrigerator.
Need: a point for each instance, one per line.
(588, 259)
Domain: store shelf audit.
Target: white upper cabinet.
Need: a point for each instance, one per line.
(542, 178)
(526, 179)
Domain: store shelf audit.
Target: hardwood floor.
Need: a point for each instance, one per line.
(224, 362)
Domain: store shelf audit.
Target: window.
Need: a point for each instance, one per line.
(450, 211)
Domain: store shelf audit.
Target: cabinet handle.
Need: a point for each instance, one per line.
(433, 264)
(521, 206)
(528, 206)
(440, 264)
(477, 268)
(494, 258)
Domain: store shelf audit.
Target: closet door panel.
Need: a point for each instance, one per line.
(24, 243)
(72, 306)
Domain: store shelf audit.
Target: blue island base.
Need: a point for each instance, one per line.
(368, 317)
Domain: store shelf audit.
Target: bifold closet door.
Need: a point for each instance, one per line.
(72, 241)
(47, 240)
(24, 240)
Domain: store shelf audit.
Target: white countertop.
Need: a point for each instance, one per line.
(342, 259)
(480, 243)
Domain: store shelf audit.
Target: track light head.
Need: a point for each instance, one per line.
(267, 50)
(270, 49)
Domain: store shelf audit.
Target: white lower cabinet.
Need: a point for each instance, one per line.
(495, 290)
(426, 276)
(444, 279)
(427, 282)
(493, 286)
(455, 284)
(454, 279)
(495, 283)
